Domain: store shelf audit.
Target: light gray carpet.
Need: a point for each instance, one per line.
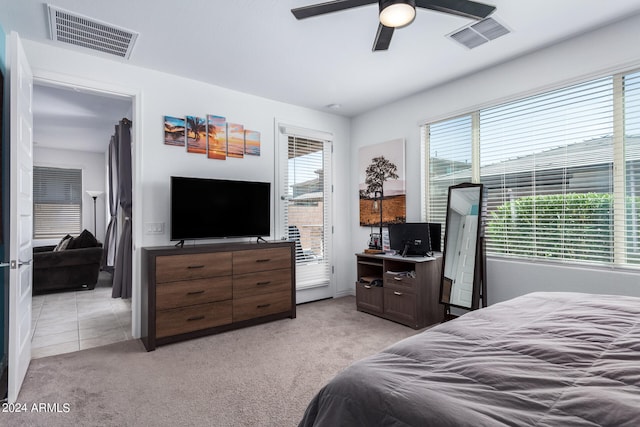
(259, 376)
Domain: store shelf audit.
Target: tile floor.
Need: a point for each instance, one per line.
(71, 321)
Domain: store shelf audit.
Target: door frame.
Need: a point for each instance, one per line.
(49, 78)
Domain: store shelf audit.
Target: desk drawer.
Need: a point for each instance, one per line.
(192, 292)
(261, 260)
(263, 282)
(400, 306)
(192, 266)
(192, 318)
(261, 305)
(369, 298)
(400, 281)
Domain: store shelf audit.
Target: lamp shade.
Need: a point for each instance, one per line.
(397, 13)
(94, 193)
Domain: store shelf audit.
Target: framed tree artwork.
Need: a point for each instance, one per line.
(382, 191)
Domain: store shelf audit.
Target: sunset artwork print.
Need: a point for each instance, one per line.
(174, 131)
(251, 142)
(235, 140)
(216, 137)
(196, 135)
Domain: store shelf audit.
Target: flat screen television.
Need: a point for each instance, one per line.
(203, 208)
(415, 238)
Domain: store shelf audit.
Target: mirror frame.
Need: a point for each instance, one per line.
(479, 285)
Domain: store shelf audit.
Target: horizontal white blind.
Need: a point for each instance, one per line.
(547, 163)
(306, 208)
(632, 167)
(57, 202)
(449, 162)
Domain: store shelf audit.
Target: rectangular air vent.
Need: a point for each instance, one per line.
(479, 33)
(78, 30)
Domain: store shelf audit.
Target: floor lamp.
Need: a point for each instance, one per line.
(94, 195)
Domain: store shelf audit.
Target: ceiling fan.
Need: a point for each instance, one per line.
(397, 13)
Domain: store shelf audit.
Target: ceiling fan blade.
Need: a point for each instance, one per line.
(328, 7)
(465, 8)
(383, 38)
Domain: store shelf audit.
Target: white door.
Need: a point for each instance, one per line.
(20, 216)
(462, 289)
(304, 196)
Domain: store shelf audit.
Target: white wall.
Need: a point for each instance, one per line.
(609, 49)
(160, 94)
(93, 178)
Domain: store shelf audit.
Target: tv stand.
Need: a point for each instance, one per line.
(180, 244)
(260, 239)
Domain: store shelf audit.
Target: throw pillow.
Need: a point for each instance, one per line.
(64, 243)
(84, 240)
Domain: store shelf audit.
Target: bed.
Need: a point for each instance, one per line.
(542, 359)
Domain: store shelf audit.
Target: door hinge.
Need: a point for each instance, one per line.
(333, 269)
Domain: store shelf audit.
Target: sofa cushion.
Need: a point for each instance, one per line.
(64, 243)
(84, 240)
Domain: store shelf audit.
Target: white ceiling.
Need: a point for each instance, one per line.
(258, 47)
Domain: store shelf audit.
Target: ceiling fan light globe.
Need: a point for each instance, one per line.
(397, 13)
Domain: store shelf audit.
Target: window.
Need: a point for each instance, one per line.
(57, 202)
(448, 163)
(561, 172)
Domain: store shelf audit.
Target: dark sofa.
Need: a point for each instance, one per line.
(69, 267)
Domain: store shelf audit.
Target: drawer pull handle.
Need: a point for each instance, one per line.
(195, 266)
(367, 286)
(193, 319)
(397, 278)
(263, 305)
(195, 293)
(397, 293)
(263, 283)
(263, 260)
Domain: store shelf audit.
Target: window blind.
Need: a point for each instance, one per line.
(632, 167)
(57, 202)
(561, 171)
(306, 208)
(449, 162)
(547, 164)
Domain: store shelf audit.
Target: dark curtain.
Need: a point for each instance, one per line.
(123, 268)
(110, 239)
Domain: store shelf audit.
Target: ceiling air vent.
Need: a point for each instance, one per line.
(479, 33)
(69, 27)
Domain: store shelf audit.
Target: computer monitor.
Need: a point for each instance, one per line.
(415, 238)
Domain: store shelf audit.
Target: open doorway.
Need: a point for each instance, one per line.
(72, 130)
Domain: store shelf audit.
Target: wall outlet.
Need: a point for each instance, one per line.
(154, 228)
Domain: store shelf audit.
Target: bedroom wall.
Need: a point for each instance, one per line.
(611, 48)
(93, 178)
(160, 94)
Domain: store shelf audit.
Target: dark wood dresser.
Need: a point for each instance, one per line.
(199, 290)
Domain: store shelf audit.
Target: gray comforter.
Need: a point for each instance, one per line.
(543, 359)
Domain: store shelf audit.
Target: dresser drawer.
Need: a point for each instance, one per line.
(192, 292)
(192, 266)
(262, 282)
(400, 306)
(261, 260)
(400, 281)
(261, 305)
(192, 318)
(369, 298)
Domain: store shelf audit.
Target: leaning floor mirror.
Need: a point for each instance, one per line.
(463, 279)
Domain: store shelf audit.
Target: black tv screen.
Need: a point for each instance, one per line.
(415, 238)
(214, 208)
